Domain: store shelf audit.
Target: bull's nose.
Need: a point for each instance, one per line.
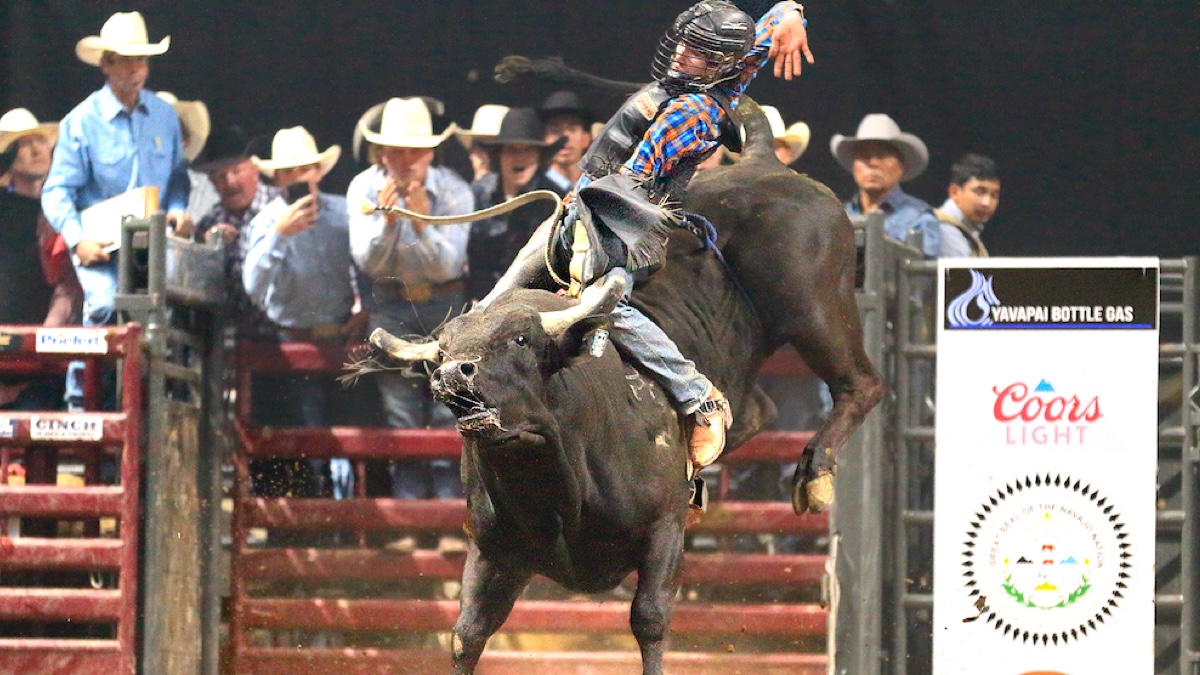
(455, 374)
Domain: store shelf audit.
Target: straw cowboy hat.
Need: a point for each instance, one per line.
(406, 123)
(485, 125)
(193, 116)
(796, 136)
(124, 33)
(296, 147)
(374, 115)
(880, 127)
(19, 122)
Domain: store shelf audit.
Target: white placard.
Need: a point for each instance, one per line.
(72, 341)
(66, 428)
(1047, 442)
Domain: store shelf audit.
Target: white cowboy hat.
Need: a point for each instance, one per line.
(407, 124)
(19, 122)
(485, 125)
(796, 136)
(880, 127)
(193, 116)
(296, 147)
(124, 33)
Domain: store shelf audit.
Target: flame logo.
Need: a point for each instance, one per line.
(984, 298)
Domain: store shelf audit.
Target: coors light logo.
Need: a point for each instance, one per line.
(1042, 416)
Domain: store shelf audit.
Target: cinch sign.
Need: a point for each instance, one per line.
(1044, 490)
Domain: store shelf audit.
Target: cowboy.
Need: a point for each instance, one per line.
(418, 270)
(880, 157)
(974, 197)
(565, 116)
(790, 142)
(298, 270)
(645, 156)
(119, 138)
(195, 126)
(242, 195)
(484, 127)
(521, 155)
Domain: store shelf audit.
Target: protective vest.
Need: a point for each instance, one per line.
(619, 139)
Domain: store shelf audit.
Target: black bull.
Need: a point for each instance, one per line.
(574, 463)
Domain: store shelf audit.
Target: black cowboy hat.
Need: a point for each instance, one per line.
(523, 126)
(566, 103)
(225, 146)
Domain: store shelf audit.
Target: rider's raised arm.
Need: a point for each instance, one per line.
(764, 32)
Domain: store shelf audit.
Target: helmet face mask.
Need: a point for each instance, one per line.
(704, 46)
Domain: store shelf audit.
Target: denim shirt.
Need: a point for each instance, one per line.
(301, 280)
(903, 213)
(104, 150)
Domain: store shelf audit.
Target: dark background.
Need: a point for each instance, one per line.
(1090, 108)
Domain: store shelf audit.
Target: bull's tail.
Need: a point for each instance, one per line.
(555, 70)
(759, 140)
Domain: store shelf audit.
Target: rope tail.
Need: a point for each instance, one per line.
(555, 70)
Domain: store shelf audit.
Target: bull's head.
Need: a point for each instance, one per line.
(492, 364)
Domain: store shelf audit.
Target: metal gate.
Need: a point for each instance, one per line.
(901, 642)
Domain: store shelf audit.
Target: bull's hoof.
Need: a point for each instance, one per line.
(814, 496)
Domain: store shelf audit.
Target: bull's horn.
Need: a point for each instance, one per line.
(404, 350)
(597, 300)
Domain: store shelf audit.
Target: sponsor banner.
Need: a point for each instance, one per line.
(8, 428)
(1047, 445)
(72, 341)
(66, 428)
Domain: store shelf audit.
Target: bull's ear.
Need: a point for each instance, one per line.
(597, 301)
(403, 350)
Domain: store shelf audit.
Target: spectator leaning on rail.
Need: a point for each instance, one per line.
(119, 138)
(418, 270)
(521, 155)
(298, 270)
(880, 157)
(195, 126)
(974, 196)
(37, 282)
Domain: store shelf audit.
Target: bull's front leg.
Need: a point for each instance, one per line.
(658, 583)
(488, 594)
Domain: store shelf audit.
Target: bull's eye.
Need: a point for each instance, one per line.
(520, 341)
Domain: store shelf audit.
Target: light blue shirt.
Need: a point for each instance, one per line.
(437, 255)
(104, 150)
(903, 213)
(301, 280)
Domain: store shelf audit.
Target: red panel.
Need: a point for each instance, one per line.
(532, 616)
(61, 502)
(59, 604)
(786, 363)
(448, 515)
(379, 565)
(385, 662)
(290, 356)
(25, 553)
(769, 446)
(59, 657)
(354, 443)
(112, 431)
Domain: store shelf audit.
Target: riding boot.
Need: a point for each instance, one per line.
(709, 423)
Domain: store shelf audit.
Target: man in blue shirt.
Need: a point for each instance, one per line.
(119, 138)
(880, 157)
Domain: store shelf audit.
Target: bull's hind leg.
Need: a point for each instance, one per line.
(658, 583)
(488, 594)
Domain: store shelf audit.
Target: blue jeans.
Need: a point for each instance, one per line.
(289, 401)
(99, 284)
(407, 403)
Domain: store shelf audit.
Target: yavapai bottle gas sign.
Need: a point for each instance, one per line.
(1045, 478)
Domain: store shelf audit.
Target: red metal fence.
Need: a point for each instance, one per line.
(88, 435)
(793, 624)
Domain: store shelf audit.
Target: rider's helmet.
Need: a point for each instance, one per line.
(704, 46)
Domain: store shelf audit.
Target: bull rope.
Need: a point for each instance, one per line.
(369, 207)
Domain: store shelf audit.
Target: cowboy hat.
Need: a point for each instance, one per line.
(521, 126)
(124, 33)
(880, 127)
(566, 103)
(19, 122)
(228, 145)
(796, 136)
(373, 116)
(406, 123)
(193, 117)
(485, 124)
(296, 147)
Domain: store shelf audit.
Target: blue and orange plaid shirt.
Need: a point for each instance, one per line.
(689, 125)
